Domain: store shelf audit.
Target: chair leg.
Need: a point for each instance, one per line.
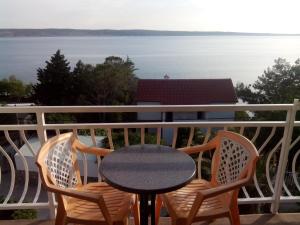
(61, 217)
(234, 214)
(157, 209)
(136, 211)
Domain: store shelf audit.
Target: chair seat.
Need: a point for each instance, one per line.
(180, 202)
(117, 202)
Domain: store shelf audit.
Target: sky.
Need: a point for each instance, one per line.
(270, 16)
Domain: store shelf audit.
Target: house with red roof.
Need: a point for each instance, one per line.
(185, 92)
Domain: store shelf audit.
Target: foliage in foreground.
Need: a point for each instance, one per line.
(17, 214)
(20, 214)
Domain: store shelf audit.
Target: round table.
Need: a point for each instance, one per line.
(147, 170)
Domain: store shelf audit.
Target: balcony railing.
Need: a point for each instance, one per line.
(276, 180)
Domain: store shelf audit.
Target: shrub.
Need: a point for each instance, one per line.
(16, 214)
(24, 214)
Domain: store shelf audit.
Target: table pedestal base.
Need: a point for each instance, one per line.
(144, 208)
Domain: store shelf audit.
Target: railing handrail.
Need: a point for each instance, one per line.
(146, 108)
(147, 125)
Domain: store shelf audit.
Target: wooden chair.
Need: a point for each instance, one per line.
(233, 165)
(93, 203)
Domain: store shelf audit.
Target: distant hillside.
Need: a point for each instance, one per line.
(78, 32)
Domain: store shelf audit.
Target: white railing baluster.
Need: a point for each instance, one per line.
(286, 189)
(294, 170)
(93, 137)
(26, 182)
(143, 135)
(13, 175)
(110, 141)
(255, 176)
(191, 136)
(207, 135)
(199, 164)
(41, 131)
(257, 131)
(268, 165)
(126, 138)
(199, 160)
(242, 130)
(294, 162)
(175, 131)
(267, 140)
(38, 190)
(158, 136)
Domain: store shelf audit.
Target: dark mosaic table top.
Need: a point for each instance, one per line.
(147, 169)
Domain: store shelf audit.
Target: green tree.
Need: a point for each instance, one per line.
(14, 90)
(279, 84)
(83, 82)
(110, 83)
(55, 82)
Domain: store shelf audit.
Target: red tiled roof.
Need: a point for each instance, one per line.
(186, 91)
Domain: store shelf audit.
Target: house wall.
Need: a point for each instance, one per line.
(149, 116)
(219, 116)
(184, 116)
(167, 133)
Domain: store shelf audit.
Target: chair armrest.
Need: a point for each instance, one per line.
(199, 148)
(76, 194)
(211, 192)
(96, 151)
(91, 150)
